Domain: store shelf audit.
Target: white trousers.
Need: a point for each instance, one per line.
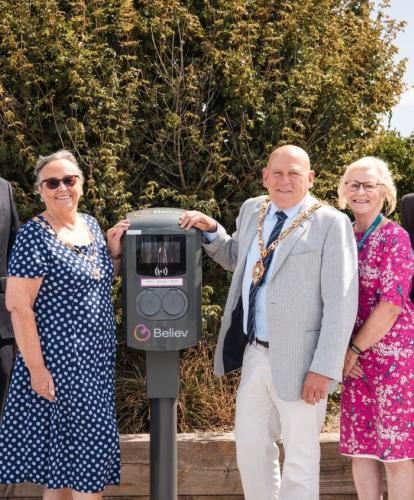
(261, 419)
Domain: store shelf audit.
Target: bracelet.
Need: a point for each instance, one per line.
(354, 348)
(117, 256)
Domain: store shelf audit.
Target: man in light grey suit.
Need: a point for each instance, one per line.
(9, 223)
(289, 315)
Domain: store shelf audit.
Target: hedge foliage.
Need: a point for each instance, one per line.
(179, 103)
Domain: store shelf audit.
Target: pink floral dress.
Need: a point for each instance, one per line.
(377, 418)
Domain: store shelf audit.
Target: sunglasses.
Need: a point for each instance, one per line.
(54, 182)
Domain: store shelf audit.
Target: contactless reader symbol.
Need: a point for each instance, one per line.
(161, 268)
(141, 332)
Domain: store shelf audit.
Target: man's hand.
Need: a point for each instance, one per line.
(315, 388)
(193, 218)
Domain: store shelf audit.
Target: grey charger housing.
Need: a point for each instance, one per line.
(162, 274)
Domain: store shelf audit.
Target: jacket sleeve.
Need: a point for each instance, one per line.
(224, 248)
(14, 226)
(339, 288)
(407, 215)
(15, 223)
(407, 222)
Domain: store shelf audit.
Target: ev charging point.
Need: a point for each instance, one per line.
(162, 306)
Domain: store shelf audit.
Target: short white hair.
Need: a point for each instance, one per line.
(62, 154)
(383, 174)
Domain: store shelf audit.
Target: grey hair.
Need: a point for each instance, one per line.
(62, 154)
(383, 174)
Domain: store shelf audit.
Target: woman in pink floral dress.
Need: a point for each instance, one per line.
(377, 420)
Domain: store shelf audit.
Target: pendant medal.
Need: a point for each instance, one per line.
(96, 273)
(258, 271)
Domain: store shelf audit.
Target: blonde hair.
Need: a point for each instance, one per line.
(383, 175)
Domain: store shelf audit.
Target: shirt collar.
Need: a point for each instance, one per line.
(290, 212)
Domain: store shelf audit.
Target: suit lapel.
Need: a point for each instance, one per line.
(287, 244)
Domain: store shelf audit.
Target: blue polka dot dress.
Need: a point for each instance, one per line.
(73, 442)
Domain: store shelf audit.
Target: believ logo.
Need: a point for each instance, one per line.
(170, 333)
(142, 333)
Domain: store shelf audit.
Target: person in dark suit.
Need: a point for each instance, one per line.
(9, 223)
(407, 222)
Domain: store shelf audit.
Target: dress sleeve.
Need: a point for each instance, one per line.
(396, 268)
(30, 254)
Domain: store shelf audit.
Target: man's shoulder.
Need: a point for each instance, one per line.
(253, 203)
(327, 218)
(408, 200)
(3, 183)
(329, 212)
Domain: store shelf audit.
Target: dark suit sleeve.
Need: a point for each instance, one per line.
(407, 222)
(14, 226)
(15, 223)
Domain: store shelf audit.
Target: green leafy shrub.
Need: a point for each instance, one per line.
(179, 103)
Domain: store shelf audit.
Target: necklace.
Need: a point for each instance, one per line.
(371, 228)
(91, 259)
(258, 269)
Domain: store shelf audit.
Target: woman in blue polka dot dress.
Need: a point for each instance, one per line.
(59, 427)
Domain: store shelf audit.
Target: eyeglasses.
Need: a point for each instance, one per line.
(369, 187)
(54, 182)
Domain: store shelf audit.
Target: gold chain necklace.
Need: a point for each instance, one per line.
(258, 268)
(92, 259)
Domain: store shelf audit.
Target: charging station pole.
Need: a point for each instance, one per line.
(161, 292)
(162, 390)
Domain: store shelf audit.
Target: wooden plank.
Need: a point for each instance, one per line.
(343, 496)
(191, 481)
(20, 490)
(214, 497)
(195, 450)
(206, 469)
(135, 448)
(203, 497)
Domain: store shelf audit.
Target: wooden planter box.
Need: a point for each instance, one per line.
(207, 470)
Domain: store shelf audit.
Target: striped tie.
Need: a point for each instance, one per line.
(281, 217)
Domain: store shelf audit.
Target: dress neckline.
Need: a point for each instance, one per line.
(43, 218)
(378, 230)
